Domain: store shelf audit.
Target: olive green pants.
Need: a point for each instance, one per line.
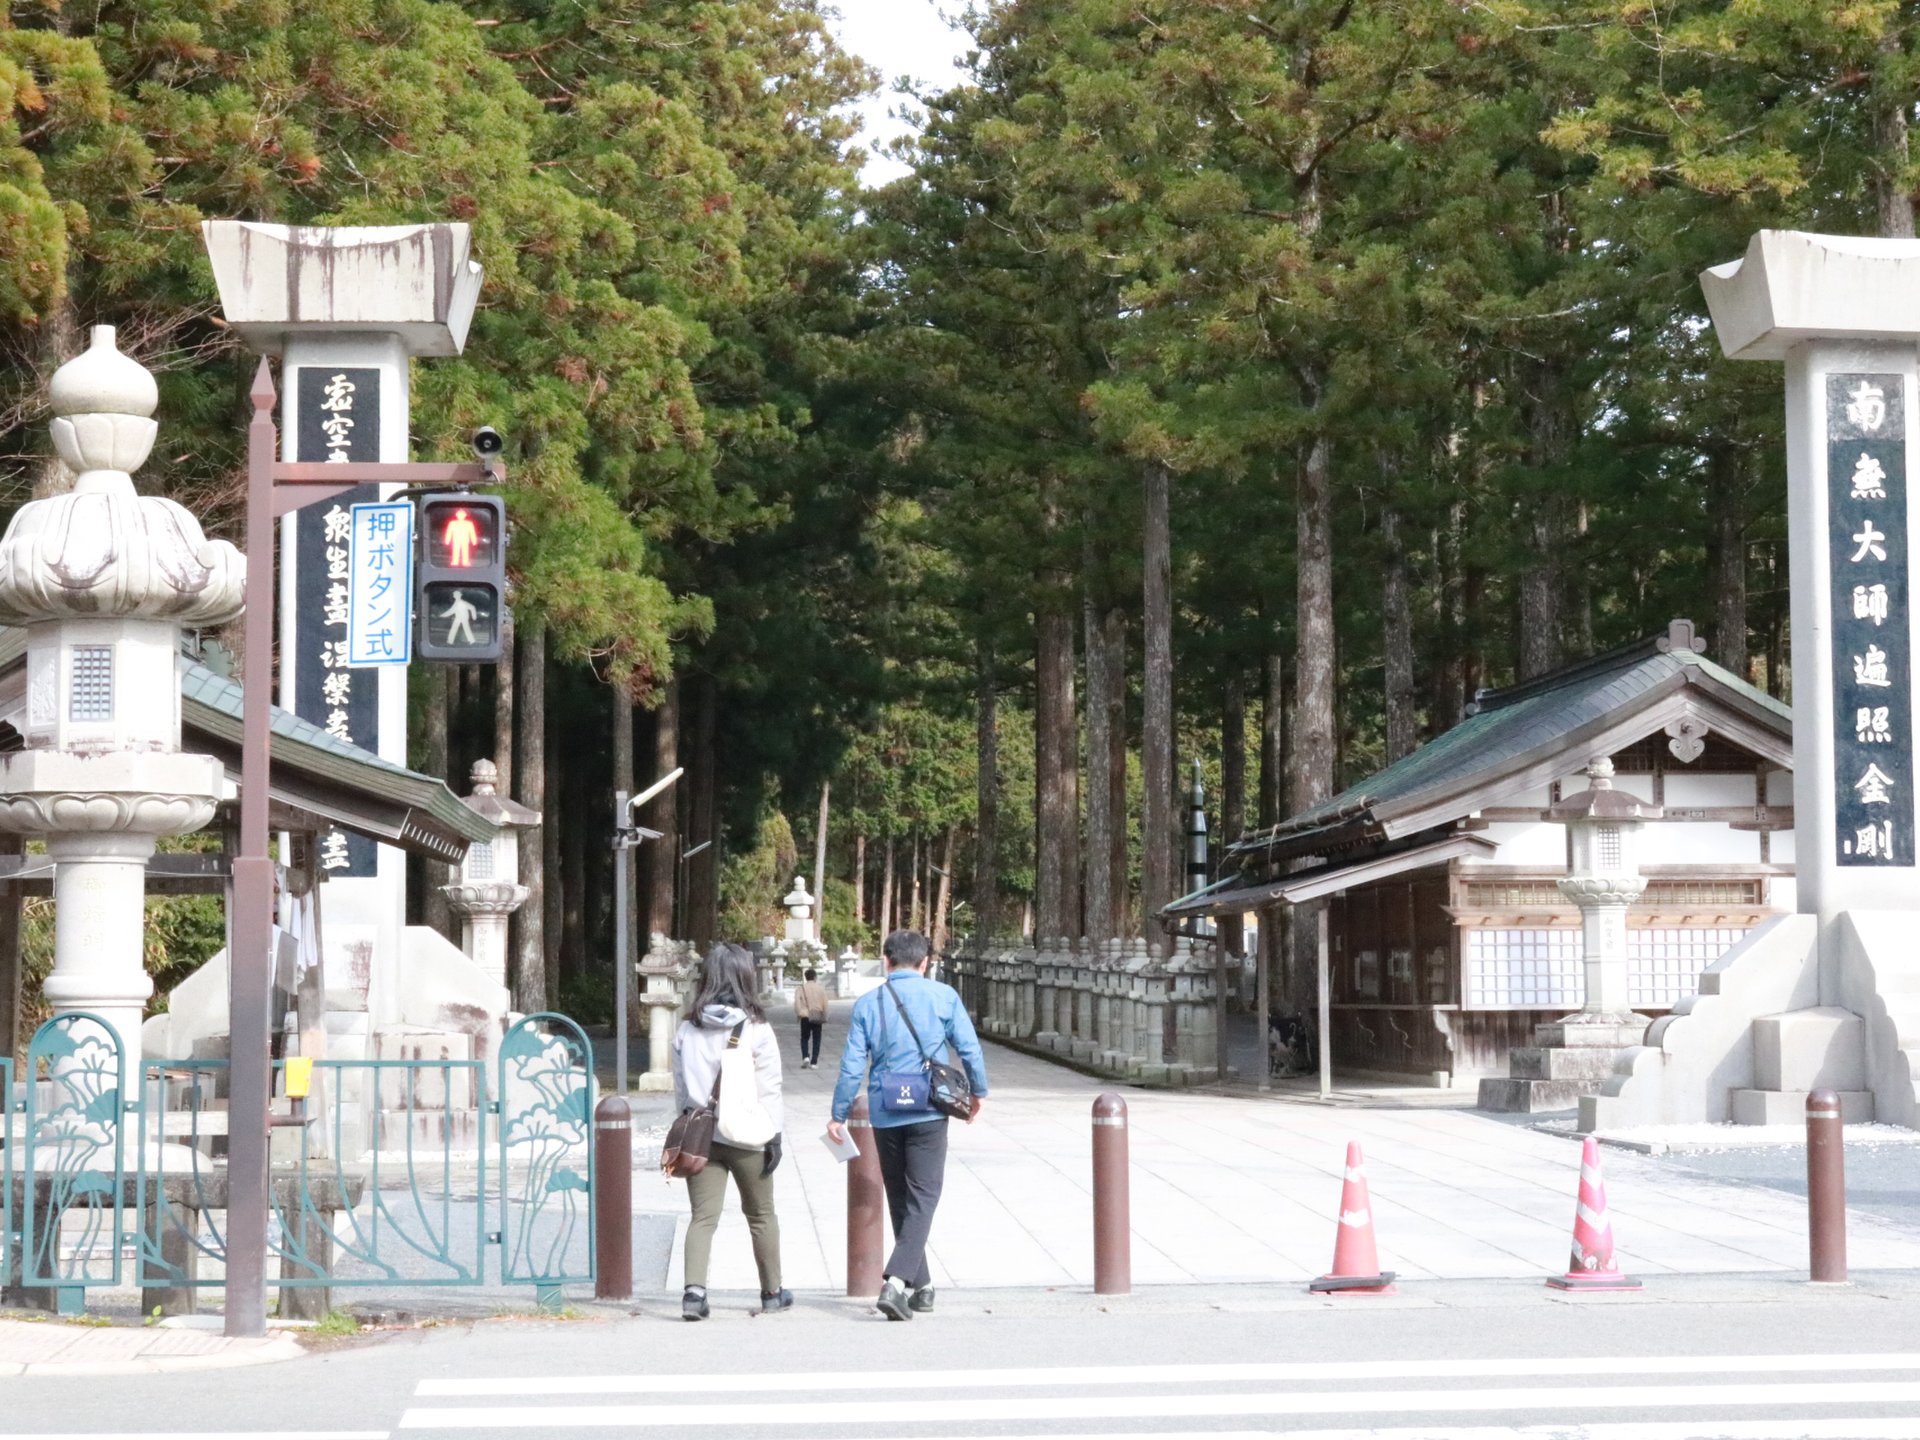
(707, 1192)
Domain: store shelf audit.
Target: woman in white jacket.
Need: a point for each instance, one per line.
(746, 1141)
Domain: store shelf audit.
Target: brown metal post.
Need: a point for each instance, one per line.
(866, 1207)
(1826, 1190)
(248, 978)
(613, 1205)
(1112, 1219)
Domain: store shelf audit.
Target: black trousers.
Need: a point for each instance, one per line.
(810, 1039)
(913, 1166)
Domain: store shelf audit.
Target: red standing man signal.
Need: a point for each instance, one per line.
(460, 536)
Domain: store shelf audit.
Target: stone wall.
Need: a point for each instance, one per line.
(1120, 1007)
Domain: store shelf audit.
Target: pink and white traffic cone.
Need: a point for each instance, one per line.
(1356, 1260)
(1593, 1266)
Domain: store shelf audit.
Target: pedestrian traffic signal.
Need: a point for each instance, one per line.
(462, 578)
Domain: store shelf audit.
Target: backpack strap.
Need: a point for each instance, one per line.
(918, 1044)
(733, 1043)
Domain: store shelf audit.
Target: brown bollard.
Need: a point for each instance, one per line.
(1112, 1218)
(866, 1207)
(613, 1205)
(1826, 1190)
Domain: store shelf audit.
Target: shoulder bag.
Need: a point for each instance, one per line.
(939, 1086)
(689, 1140)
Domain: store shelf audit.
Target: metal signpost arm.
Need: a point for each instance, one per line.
(249, 975)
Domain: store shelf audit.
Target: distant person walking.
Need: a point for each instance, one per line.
(810, 1004)
(912, 1141)
(746, 1142)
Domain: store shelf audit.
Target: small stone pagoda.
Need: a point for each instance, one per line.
(102, 580)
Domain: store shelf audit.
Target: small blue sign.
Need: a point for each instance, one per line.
(380, 585)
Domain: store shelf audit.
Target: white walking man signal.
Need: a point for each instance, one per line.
(461, 612)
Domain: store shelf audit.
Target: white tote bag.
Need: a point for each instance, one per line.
(741, 1119)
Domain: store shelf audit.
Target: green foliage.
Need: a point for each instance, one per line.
(753, 882)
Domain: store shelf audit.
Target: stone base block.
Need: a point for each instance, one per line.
(1586, 1062)
(1615, 1032)
(1047, 1040)
(1510, 1096)
(653, 1084)
(429, 1133)
(1819, 1049)
(1082, 1050)
(1789, 1107)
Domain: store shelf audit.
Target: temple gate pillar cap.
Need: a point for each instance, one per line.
(417, 282)
(1792, 286)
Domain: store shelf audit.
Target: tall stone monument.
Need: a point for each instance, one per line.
(103, 579)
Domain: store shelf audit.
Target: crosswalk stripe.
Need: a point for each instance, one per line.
(204, 1435)
(479, 1387)
(1169, 1407)
(1903, 1428)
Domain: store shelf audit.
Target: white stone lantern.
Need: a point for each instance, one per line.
(489, 889)
(1603, 826)
(799, 906)
(102, 579)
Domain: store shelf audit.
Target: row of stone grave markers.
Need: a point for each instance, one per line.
(1126, 1008)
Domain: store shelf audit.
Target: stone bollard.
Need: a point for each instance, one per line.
(613, 1206)
(1112, 1218)
(1826, 1190)
(866, 1207)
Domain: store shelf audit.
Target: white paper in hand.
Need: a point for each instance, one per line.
(845, 1151)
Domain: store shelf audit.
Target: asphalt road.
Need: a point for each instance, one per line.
(1753, 1358)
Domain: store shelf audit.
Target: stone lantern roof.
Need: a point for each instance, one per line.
(1600, 801)
(101, 551)
(487, 800)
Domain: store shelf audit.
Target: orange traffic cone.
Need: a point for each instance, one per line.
(1593, 1266)
(1356, 1263)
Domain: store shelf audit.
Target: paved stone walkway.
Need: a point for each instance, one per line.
(1233, 1189)
(49, 1347)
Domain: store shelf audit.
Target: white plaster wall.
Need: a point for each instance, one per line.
(1688, 791)
(1523, 844)
(1698, 842)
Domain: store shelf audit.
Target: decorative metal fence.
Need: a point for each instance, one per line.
(380, 1172)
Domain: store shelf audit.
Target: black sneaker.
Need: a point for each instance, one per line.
(779, 1300)
(893, 1301)
(693, 1305)
(921, 1301)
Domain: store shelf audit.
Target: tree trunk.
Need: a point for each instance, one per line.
(573, 880)
(1056, 779)
(529, 971)
(986, 834)
(887, 927)
(1098, 868)
(1310, 765)
(703, 870)
(59, 341)
(1397, 613)
(1233, 795)
(1727, 555)
(860, 880)
(502, 756)
(944, 895)
(1159, 836)
(1273, 739)
(1892, 194)
(1576, 601)
(662, 856)
(435, 912)
(1121, 857)
(820, 862)
(1543, 526)
(915, 918)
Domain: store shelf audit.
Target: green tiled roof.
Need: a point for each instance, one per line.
(1512, 723)
(212, 702)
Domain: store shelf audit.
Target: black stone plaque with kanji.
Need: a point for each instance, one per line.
(337, 418)
(1867, 558)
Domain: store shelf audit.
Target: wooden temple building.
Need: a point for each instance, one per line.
(1447, 939)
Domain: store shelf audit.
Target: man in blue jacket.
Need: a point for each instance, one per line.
(912, 1141)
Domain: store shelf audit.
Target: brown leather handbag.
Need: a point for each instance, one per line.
(689, 1142)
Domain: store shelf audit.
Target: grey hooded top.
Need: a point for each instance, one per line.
(697, 1046)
